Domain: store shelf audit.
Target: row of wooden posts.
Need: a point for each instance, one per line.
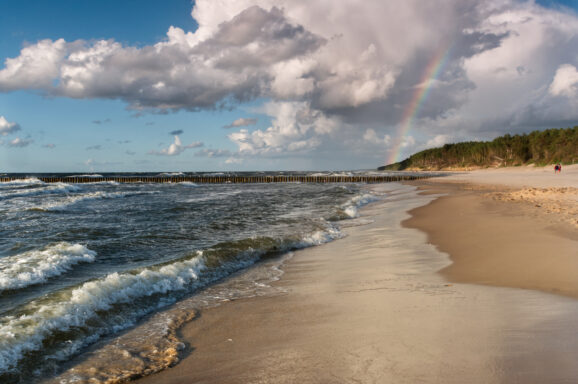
(227, 179)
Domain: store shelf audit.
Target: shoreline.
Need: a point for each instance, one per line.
(349, 315)
(493, 242)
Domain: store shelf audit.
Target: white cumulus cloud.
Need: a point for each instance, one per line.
(19, 142)
(176, 148)
(565, 81)
(7, 127)
(241, 122)
(326, 72)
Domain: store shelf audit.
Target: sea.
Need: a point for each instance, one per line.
(89, 267)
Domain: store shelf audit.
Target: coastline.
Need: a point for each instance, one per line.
(373, 310)
(499, 243)
(511, 227)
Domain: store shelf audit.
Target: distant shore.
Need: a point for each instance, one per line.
(371, 307)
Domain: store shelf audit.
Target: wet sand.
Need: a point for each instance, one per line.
(513, 227)
(371, 307)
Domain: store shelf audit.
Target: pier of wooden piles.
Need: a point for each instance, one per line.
(198, 179)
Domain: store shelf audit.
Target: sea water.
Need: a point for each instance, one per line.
(80, 263)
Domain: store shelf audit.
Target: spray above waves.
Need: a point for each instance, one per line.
(35, 267)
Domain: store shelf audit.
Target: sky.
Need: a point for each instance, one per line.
(226, 85)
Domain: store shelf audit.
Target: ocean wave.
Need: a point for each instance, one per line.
(351, 208)
(83, 310)
(22, 182)
(214, 196)
(318, 174)
(74, 199)
(95, 175)
(105, 183)
(35, 267)
(79, 316)
(188, 184)
(171, 174)
(43, 190)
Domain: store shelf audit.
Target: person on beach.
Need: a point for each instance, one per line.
(557, 168)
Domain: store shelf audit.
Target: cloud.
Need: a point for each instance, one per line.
(371, 136)
(36, 67)
(177, 132)
(213, 153)
(438, 141)
(176, 148)
(92, 164)
(130, 153)
(20, 143)
(7, 127)
(295, 127)
(94, 148)
(99, 122)
(328, 75)
(565, 82)
(232, 64)
(241, 122)
(49, 146)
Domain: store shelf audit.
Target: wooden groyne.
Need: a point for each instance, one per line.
(237, 179)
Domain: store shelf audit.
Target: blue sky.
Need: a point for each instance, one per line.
(73, 125)
(140, 85)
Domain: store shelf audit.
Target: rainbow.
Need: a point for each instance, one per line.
(420, 94)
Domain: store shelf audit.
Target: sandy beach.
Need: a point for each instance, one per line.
(372, 307)
(508, 227)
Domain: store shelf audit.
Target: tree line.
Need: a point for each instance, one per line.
(538, 147)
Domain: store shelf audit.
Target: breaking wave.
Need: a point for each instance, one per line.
(37, 266)
(77, 317)
(74, 199)
(22, 182)
(42, 190)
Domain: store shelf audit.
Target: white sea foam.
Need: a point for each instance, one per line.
(95, 175)
(171, 174)
(23, 182)
(105, 183)
(44, 189)
(321, 237)
(351, 207)
(331, 174)
(22, 334)
(74, 199)
(34, 267)
(188, 184)
(214, 196)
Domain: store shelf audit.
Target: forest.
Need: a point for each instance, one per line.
(538, 147)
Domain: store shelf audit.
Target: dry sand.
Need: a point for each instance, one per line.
(514, 227)
(370, 308)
